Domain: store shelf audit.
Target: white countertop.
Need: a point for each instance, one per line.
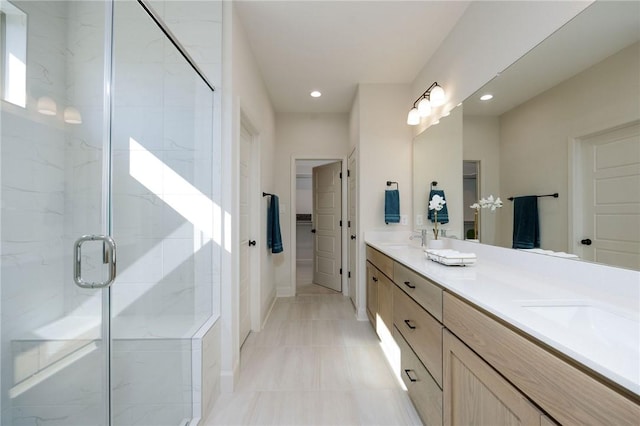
(588, 312)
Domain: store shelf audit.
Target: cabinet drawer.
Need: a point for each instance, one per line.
(423, 390)
(423, 291)
(421, 330)
(567, 393)
(381, 261)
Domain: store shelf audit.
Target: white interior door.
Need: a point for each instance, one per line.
(353, 229)
(327, 210)
(611, 201)
(245, 275)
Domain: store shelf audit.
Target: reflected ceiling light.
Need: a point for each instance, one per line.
(72, 116)
(315, 94)
(47, 106)
(486, 97)
(432, 97)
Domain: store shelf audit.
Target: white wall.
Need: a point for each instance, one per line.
(383, 140)
(534, 142)
(244, 93)
(302, 136)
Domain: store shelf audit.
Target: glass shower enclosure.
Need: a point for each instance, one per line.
(109, 243)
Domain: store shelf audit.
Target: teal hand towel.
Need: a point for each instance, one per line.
(274, 238)
(443, 214)
(526, 224)
(392, 206)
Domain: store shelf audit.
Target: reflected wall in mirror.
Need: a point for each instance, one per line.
(437, 154)
(565, 118)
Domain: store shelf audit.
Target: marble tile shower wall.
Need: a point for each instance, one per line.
(160, 104)
(33, 192)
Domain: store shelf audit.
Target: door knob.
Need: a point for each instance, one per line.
(586, 242)
(353, 237)
(252, 243)
(313, 231)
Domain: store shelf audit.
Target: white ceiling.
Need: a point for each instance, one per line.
(602, 29)
(332, 46)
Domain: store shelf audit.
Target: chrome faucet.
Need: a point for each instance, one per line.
(423, 237)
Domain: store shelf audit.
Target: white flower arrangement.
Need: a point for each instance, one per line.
(436, 204)
(484, 203)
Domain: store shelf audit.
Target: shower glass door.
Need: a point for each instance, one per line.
(54, 188)
(162, 218)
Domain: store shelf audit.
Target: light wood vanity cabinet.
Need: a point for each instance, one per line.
(423, 390)
(567, 393)
(475, 394)
(423, 291)
(372, 293)
(421, 331)
(463, 366)
(380, 292)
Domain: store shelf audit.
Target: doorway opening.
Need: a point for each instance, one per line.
(318, 230)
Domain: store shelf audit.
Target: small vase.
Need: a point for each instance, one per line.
(435, 244)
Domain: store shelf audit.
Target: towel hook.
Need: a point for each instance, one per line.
(389, 183)
(433, 183)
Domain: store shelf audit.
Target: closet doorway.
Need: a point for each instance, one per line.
(318, 207)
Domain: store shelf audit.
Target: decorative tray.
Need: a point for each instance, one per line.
(450, 257)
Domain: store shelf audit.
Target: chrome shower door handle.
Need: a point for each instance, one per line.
(109, 257)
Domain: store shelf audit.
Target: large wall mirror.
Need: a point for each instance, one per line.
(565, 119)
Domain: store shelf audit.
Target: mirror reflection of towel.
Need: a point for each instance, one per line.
(443, 214)
(392, 206)
(526, 225)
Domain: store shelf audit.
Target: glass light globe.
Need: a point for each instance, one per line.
(414, 117)
(437, 96)
(424, 107)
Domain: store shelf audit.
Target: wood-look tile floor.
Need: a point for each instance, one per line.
(314, 364)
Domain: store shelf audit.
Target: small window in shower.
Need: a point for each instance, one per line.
(13, 54)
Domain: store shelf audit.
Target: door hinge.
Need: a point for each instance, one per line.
(340, 175)
(341, 224)
(349, 224)
(340, 271)
(349, 274)
(348, 172)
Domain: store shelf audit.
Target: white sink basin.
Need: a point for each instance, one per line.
(579, 317)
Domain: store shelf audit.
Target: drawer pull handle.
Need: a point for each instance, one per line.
(408, 284)
(408, 322)
(409, 375)
(375, 280)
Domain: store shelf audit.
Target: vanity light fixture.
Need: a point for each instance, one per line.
(432, 97)
(486, 97)
(315, 94)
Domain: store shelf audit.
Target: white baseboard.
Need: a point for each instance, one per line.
(361, 315)
(284, 292)
(227, 380)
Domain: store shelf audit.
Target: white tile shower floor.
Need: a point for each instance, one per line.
(314, 364)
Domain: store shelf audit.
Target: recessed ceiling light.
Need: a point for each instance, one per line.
(486, 97)
(315, 94)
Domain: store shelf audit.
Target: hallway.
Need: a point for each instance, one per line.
(314, 364)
